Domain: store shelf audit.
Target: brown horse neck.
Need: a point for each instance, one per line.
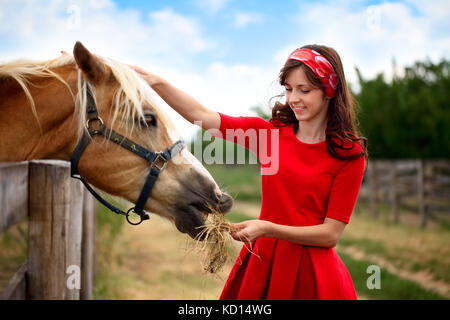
(22, 137)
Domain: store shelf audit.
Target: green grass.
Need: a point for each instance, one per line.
(13, 251)
(237, 216)
(406, 247)
(242, 182)
(392, 286)
(110, 225)
(370, 246)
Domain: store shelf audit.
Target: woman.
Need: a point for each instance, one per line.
(307, 203)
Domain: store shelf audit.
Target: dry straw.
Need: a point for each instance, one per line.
(216, 239)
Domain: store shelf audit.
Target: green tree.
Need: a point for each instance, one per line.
(410, 116)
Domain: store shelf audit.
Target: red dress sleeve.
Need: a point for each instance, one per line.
(244, 131)
(345, 190)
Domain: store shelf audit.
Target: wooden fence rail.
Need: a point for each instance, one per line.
(421, 186)
(61, 230)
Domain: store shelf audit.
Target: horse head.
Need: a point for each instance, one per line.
(184, 191)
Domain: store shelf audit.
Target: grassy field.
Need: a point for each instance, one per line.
(152, 261)
(155, 261)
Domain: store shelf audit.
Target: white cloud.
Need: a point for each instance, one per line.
(39, 31)
(242, 19)
(164, 42)
(167, 43)
(230, 89)
(173, 31)
(370, 37)
(437, 9)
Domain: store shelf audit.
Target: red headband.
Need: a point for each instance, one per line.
(320, 66)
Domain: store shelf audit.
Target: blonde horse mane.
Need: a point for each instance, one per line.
(128, 101)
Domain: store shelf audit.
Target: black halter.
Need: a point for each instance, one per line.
(157, 160)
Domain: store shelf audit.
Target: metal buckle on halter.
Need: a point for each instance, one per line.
(157, 162)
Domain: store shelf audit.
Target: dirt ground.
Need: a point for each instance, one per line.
(158, 262)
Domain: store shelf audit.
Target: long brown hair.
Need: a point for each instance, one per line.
(341, 116)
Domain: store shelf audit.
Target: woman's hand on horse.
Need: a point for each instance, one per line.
(149, 77)
(250, 230)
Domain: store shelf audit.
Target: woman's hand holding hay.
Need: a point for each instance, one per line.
(250, 230)
(217, 233)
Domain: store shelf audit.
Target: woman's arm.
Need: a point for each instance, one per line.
(322, 235)
(181, 102)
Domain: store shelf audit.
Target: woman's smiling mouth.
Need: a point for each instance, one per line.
(298, 109)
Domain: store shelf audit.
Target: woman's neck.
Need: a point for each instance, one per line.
(311, 132)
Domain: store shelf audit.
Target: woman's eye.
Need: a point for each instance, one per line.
(305, 91)
(288, 89)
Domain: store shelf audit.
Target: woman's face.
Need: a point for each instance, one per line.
(307, 101)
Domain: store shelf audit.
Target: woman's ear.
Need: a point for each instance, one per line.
(326, 98)
(89, 64)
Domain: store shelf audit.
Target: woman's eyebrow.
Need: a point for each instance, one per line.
(297, 85)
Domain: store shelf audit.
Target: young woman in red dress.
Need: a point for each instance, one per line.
(307, 202)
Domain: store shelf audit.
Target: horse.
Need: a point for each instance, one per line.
(43, 116)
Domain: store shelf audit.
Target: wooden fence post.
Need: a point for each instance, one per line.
(394, 196)
(421, 192)
(373, 190)
(13, 193)
(55, 230)
(88, 246)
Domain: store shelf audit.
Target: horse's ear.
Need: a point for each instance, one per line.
(91, 66)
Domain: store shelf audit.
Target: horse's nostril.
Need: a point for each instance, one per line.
(225, 203)
(218, 193)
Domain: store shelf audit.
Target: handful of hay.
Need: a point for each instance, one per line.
(216, 237)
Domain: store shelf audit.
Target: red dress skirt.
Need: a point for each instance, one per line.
(278, 269)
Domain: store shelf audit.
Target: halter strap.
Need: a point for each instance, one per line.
(158, 160)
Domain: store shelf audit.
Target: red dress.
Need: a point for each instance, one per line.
(304, 187)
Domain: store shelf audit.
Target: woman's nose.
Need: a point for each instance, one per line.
(293, 97)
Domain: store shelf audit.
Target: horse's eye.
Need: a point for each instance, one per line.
(150, 119)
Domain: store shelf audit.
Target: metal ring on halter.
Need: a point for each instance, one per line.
(94, 119)
(128, 219)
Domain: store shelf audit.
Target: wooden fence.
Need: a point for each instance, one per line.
(419, 186)
(61, 230)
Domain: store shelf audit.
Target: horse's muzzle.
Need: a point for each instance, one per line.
(190, 218)
(222, 203)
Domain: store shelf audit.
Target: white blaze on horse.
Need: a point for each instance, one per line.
(43, 112)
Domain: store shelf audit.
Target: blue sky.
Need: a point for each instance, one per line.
(227, 53)
(242, 43)
(248, 43)
(270, 24)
